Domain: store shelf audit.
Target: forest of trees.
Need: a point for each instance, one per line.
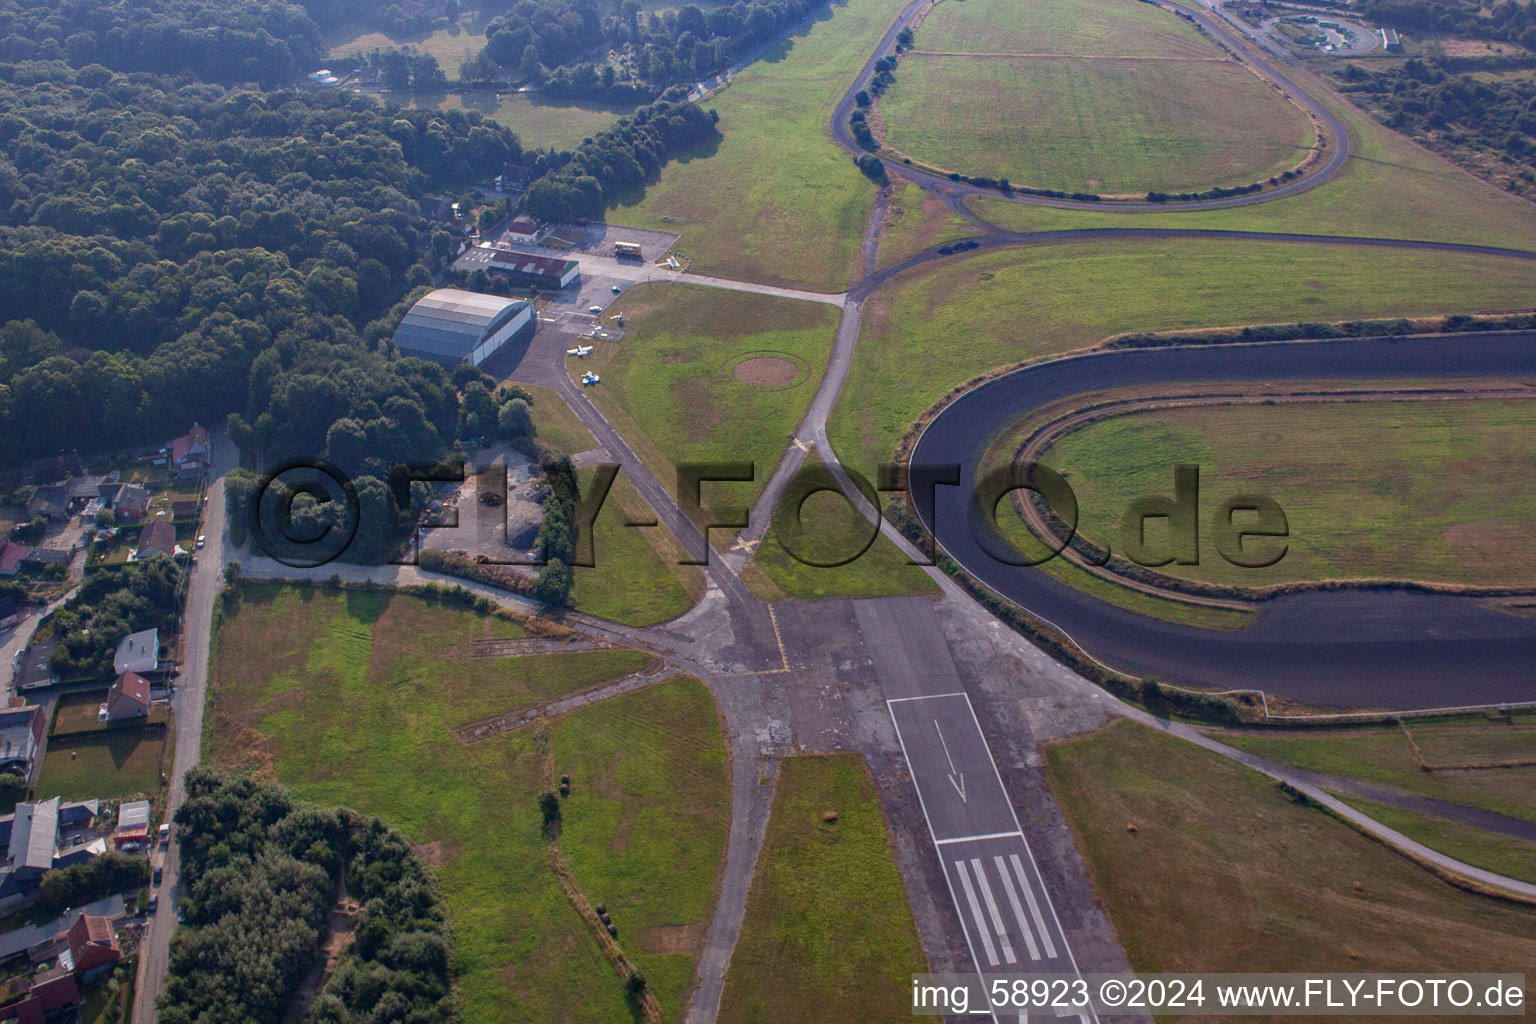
(262, 872)
(270, 42)
(620, 157)
(1507, 20)
(173, 254)
(568, 42)
(1420, 97)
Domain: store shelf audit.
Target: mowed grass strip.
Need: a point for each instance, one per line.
(453, 47)
(1224, 872)
(1491, 851)
(671, 390)
(1060, 26)
(795, 563)
(1438, 491)
(638, 578)
(776, 200)
(540, 123)
(1381, 754)
(365, 700)
(556, 423)
(828, 935)
(112, 765)
(1108, 126)
(644, 830)
(942, 324)
(1389, 188)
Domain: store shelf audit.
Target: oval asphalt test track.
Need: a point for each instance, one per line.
(1366, 647)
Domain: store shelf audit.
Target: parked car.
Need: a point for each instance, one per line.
(154, 903)
(594, 309)
(165, 833)
(157, 875)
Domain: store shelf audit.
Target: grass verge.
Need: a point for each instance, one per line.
(1490, 851)
(812, 945)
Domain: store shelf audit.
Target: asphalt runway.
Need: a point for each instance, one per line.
(1000, 898)
(1391, 648)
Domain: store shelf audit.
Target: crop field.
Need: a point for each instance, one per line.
(1109, 126)
(671, 389)
(943, 324)
(813, 946)
(775, 200)
(1381, 754)
(1224, 872)
(1438, 491)
(1059, 26)
(349, 698)
(1389, 188)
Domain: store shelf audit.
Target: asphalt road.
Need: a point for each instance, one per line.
(1391, 648)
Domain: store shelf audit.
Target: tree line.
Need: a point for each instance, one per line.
(262, 871)
(580, 184)
(574, 49)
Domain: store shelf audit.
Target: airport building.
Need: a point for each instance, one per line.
(450, 326)
(546, 273)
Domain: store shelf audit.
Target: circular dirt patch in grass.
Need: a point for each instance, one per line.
(766, 372)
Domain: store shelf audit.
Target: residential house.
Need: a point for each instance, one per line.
(34, 845)
(40, 559)
(92, 947)
(138, 652)
(32, 669)
(158, 538)
(438, 208)
(128, 697)
(527, 231)
(132, 503)
(82, 489)
(51, 502)
(185, 509)
(190, 454)
(39, 999)
(513, 178)
(11, 556)
(22, 727)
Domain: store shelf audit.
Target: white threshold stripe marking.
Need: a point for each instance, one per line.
(997, 919)
(1034, 909)
(1018, 911)
(981, 926)
(926, 696)
(972, 839)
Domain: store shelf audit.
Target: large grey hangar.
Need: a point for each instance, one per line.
(451, 326)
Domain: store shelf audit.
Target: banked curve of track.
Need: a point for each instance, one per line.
(1365, 646)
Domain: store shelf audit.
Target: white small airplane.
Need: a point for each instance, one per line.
(589, 378)
(580, 351)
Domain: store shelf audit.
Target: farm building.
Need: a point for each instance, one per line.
(450, 326)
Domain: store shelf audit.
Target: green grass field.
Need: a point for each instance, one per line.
(1108, 126)
(111, 765)
(451, 46)
(1059, 26)
(1224, 872)
(777, 201)
(942, 325)
(670, 386)
(349, 698)
(828, 935)
(832, 531)
(1440, 491)
(556, 423)
(1381, 754)
(539, 123)
(1482, 849)
(637, 579)
(1390, 188)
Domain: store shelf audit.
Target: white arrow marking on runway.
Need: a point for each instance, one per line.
(953, 775)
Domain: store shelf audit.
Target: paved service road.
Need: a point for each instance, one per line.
(1384, 647)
